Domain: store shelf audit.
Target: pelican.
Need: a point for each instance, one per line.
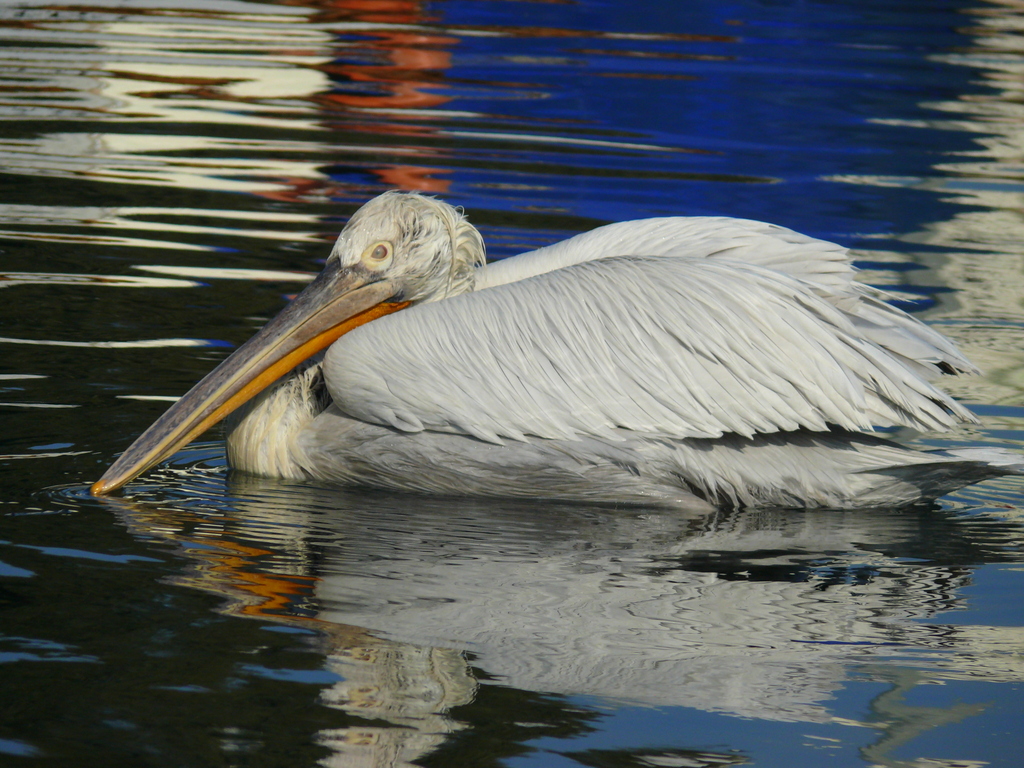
(684, 361)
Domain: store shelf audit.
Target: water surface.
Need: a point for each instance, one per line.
(172, 170)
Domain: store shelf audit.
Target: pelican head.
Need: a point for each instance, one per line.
(422, 244)
(398, 249)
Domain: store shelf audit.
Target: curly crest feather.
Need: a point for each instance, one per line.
(430, 237)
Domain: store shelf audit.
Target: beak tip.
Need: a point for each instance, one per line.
(100, 488)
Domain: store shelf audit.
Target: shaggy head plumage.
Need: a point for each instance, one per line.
(435, 250)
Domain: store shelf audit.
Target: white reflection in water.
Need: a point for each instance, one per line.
(92, 218)
(236, 51)
(979, 250)
(412, 688)
(142, 344)
(10, 279)
(37, 405)
(244, 65)
(229, 273)
(581, 613)
(144, 160)
(758, 614)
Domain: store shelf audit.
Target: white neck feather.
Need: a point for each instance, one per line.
(261, 435)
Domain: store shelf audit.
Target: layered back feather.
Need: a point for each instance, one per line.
(825, 267)
(662, 347)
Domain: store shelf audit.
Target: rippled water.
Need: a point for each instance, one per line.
(170, 170)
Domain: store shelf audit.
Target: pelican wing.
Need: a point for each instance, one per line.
(666, 347)
(824, 266)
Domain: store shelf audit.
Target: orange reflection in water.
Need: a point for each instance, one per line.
(399, 694)
(406, 72)
(268, 595)
(414, 61)
(262, 579)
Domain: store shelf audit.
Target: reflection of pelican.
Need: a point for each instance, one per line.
(758, 613)
(666, 360)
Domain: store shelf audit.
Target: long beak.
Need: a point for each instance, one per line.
(334, 303)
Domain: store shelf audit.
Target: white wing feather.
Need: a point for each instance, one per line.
(666, 347)
(823, 265)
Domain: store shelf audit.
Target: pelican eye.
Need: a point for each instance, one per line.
(378, 254)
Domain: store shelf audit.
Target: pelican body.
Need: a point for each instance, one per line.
(685, 361)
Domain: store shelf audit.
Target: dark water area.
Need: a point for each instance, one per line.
(172, 170)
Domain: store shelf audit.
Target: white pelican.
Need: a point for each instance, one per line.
(681, 361)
